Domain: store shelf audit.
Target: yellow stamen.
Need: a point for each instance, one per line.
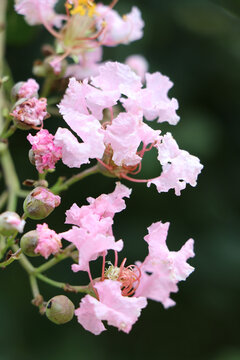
(83, 7)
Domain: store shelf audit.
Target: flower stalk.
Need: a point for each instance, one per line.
(62, 186)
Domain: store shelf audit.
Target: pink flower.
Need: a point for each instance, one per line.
(28, 89)
(119, 140)
(119, 311)
(45, 152)
(48, 241)
(31, 112)
(163, 269)
(178, 167)
(93, 234)
(114, 76)
(154, 279)
(154, 100)
(104, 206)
(119, 30)
(139, 64)
(90, 246)
(38, 11)
(125, 135)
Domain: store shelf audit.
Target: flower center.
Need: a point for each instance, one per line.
(82, 7)
(129, 277)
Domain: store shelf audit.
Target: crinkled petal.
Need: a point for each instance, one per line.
(109, 204)
(119, 311)
(162, 269)
(90, 246)
(154, 100)
(74, 154)
(116, 76)
(124, 139)
(138, 64)
(119, 30)
(38, 11)
(28, 89)
(48, 241)
(79, 99)
(125, 135)
(179, 168)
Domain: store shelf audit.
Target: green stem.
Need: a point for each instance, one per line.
(6, 246)
(47, 86)
(11, 179)
(12, 258)
(34, 286)
(23, 193)
(57, 188)
(24, 261)
(9, 133)
(64, 286)
(64, 255)
(3, 199)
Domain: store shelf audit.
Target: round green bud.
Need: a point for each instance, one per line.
(10, 223)
(60, 309)
(40, 203)
(28, 243)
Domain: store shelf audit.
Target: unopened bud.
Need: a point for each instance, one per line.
(15, 90)
(30, 113)
(48, 67)
(31, 157)
(40, 203)
(28, 243)
(60, 309)
(10, 222)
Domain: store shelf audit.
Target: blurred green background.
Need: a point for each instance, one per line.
(197, 44)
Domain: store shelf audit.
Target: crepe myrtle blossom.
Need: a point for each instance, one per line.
(92, 233)
(30, 113)
(25, 89)
(122, 291)
(119, 144)
(44, 152)
(48, 241)
(84, 27)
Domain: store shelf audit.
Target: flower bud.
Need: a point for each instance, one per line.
(31, 157)
(60, 309)
(25, 89)
(40, 203)
(15, 90)
(30, 113)
(10, 222)
(28, 243)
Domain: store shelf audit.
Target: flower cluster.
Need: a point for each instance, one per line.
(119, 143)
(108, 107)
(121, 292)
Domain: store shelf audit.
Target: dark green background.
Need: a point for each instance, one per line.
(197, 44)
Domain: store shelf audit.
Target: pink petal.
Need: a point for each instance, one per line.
(90, 246)
(178, 167)
(119, 311)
